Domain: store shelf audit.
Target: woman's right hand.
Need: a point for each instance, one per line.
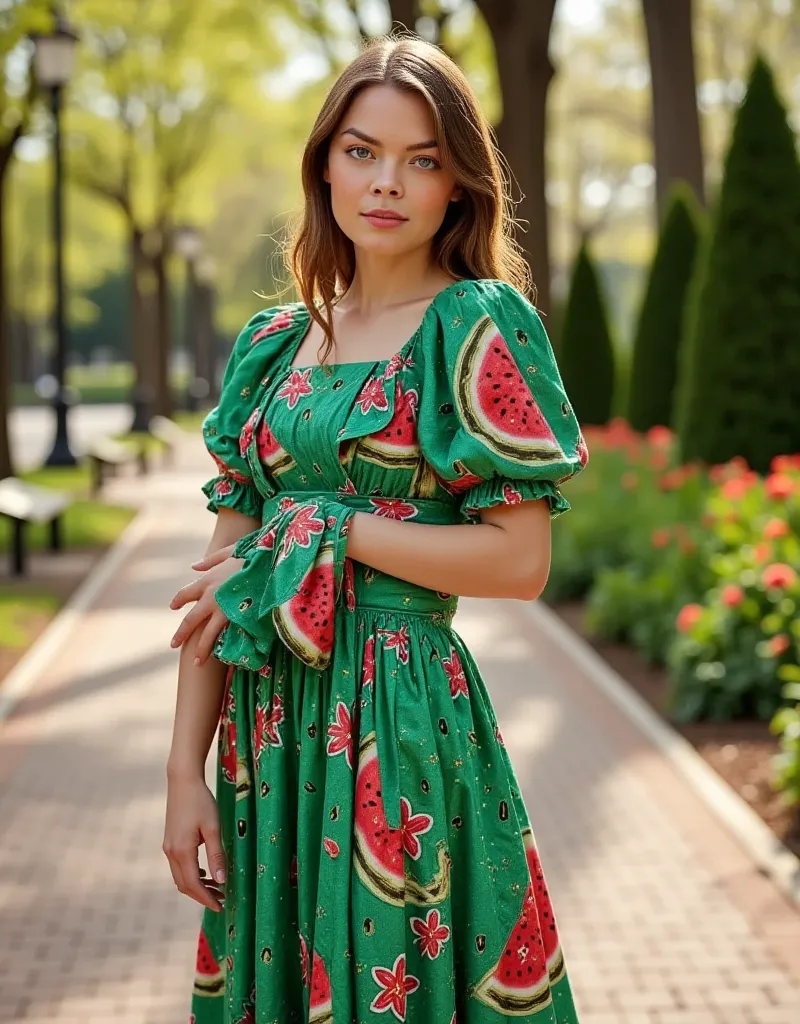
(193, 820)
(206, 612)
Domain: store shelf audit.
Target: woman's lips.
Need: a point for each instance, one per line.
(386, 220)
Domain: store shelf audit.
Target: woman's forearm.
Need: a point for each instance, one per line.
(197, 710)
(480, 560)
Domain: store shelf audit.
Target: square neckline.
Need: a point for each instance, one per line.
(399, 354)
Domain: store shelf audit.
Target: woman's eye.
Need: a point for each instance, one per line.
(358, 149)
(431, 162)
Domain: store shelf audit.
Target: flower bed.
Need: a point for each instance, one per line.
(697, 570)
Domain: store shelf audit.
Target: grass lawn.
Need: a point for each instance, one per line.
(191, 421)
(26, 607)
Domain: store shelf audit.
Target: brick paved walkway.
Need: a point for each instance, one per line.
(665, 921)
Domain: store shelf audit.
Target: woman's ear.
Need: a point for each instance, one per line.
(326, 174)
(457, 194)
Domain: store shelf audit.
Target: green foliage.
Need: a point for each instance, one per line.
(660, 328)
(586, 352)
(739, 387)
(18, 19)
(787, 726)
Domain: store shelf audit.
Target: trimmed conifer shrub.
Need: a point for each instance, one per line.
(654, 360)
(585, 350)
(739, 372)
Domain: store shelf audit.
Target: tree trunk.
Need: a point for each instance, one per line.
(404, 12)
(521, 33)
(163, 335)
(143, 341)
(675, 118)
(6, 464)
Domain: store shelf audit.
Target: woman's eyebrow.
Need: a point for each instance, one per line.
(377, 142)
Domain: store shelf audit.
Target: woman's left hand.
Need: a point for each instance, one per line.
(216, 568)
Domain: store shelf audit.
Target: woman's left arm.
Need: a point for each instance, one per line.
(507, 554)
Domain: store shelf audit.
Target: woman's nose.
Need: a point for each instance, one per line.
(386, 185)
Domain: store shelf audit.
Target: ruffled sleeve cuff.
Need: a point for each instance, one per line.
(500, 491)
(238, 493)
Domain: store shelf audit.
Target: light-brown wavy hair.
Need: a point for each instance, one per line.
(475, 239)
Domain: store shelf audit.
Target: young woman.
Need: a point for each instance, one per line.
(393, 440)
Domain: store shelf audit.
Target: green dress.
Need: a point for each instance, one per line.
(381, 864)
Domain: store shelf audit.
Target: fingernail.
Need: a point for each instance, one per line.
(197, 661)
(219, 874)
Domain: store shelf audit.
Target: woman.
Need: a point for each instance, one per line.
(399, 442)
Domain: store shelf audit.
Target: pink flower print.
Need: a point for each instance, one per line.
(284, 318)
(349, 583)
(330, 522)
(455, 674)
(397, 640)
(265, 732)
(411, 826)
(300, 529)
(285, 503)
(393, 508)
(432, 933)
(341, 734)
(296, 387)
(373, 396)
(246, 435)
(265, 671)
(395, 987)
(368, 669)
(267, 538)
(511, 496)
(395, 364)
(222, 488)
(582, 450)
(347, 488)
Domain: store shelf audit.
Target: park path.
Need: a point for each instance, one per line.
(664, 919)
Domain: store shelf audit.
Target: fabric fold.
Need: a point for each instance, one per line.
(289, 584)
(504, 491)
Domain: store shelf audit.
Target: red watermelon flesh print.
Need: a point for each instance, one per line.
(209, 976)
(379, 852)
(544, 908)
(320, 1009)
(306, 621)
(397, 444)
(270, 451)
(495, 402)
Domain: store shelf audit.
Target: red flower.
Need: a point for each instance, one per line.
(393, 508)
(732, 596)
(277, 323)
(411, 826)
(778, 645)
(432, 933)
(395, 364)
(341, 734)
(785, 463)
(660, 538)
(265, 731)
(778, 575)
(395, 986)
(735, 489)
(688, 616)
(397, 640)
(300, 528)
(511, 496)
(762, 551)
(373, 396)
(776, 528)
(222, 488)
(455, 674)
(296, 387)
(659, 437)
(779, 486)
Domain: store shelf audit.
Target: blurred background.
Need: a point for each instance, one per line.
(149, 155)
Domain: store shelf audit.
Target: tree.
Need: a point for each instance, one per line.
(586, 351)
(660, 328)
(18, 18)
(740, 373)
(676, 121)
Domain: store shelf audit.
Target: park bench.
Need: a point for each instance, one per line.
(168, 433)
(107, 455)
(24, 503)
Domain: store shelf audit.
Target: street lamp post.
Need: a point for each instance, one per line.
(53, 65)
(188, 243)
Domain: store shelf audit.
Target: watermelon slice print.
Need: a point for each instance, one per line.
(320, 1006)
(270, 451)
(496, 404)
(397, 444)
(209, 975)
(380, 851)
(305, 622)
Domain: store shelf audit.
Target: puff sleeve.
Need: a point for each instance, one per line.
(225, 427)
(496, 424)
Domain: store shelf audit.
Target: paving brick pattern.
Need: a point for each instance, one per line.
(664, 919)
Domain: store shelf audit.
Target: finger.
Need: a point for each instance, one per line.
(190, 623)
(191, 592)
(205, 645)
(214, 853)
(192, 886)
(213, 558)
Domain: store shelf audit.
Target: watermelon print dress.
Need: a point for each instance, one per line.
(381, 864)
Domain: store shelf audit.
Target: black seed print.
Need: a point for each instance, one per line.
(458, 821)
(461, 293)
(337, 384)
(443, 726)
(317, 468)
(266, 955)
(247, 603)
(425, 786)
(480, 943)
(232, 931)
(503, 811)
(369, 926)
(565, 410)
(306, 414)
(334, 815)
(446, 408)
(309, 787)
(264, 788)
(472, 737)
(241, 826)
(522, 337)
(312, 730)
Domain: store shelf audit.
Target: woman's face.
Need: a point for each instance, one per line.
(383, 156)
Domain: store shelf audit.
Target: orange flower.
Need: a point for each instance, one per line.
(735, 489)
(732, 596)
(762, 551)
(779, 486)
(659, 437)
(660, 538)
(785, 463)
(776, 528)
(778, 575)
(630, 480)
(778, 645)
(687, 545)
(688, 616)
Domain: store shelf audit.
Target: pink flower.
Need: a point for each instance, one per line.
(395, 986)
(776, 528)
(265, 731)
(432, 933)
(341, 734)
(735, 489)
(222, 488)
(778, 575)
(278, 322)
(397, 641)
(659, 437)
(660, 538)
(301, 527)
(688, 616)
(732, 596)
(455, 675)
(372, 396)
(779, 486)
(411, 826)
(368, 668)
(778, 645)
(762, 551)
(785, 463)
(296, 387)
(393, 508)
